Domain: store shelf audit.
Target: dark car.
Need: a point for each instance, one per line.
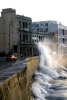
(11, 58)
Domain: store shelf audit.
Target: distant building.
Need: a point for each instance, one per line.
(54, 31)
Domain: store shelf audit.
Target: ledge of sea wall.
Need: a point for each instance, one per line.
(15, 81)
(17, 85)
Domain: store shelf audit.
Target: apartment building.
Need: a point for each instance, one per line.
(19, 35)
(13, 30)
(54, 31)
(16, 34)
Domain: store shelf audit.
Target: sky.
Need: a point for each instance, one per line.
(39, 10)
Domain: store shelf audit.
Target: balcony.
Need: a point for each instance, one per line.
(26, 29)
(62, 36)
(25, 42)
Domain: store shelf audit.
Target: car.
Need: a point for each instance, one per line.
(11, 58)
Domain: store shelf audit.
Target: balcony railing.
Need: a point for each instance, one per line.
(26, 29)
(63, 36)
(23, 29)
(25, 42)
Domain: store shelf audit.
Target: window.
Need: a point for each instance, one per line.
(46, 24)
(41, 24)
(46, 29)
(26, 38)
(39, 38)
(26, 25)
(37, 25)
(53, 34)
(23, 25)
(41, 29)
(19, 23)
(23, 37)
(30, 24)
(29, 38)
(15, 48)
(38, 29)
(63, 31)
(63, 40)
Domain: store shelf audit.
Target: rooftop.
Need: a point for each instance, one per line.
(8, 10)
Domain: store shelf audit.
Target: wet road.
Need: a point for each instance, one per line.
(8, 69)
(6, 64)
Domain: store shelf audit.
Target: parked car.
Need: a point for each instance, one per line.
(11, 58)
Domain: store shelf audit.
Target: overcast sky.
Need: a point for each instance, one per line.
(39, 10)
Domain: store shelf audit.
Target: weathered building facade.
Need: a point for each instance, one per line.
(9, 29)
(20, 36)
(55, 32)
(15, 31)
(16, 34)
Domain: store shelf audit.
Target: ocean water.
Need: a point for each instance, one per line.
(49, 81)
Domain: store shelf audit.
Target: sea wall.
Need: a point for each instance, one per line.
(32, 64)
(17, 86)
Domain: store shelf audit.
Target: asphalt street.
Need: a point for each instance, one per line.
(6, 64)
(10, 68)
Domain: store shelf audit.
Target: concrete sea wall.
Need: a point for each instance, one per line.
(17, 86)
